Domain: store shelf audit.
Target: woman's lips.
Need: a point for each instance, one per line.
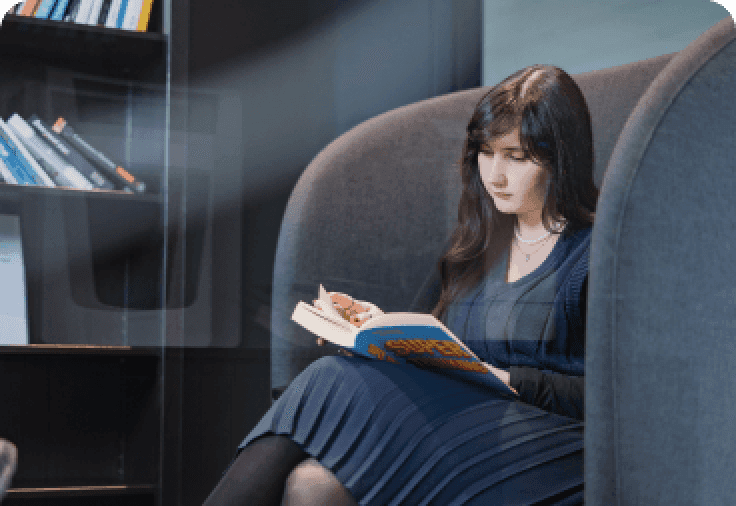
(503, 195)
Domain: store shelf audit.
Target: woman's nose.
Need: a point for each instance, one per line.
(496, 170)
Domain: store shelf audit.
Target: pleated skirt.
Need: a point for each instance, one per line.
(397, 434)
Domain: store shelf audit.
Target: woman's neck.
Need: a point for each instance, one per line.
(531, 229)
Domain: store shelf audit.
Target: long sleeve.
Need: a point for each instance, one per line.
(555, 392)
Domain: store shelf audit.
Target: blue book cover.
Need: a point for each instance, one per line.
(14, 165)
(59, 9)
(44, 9)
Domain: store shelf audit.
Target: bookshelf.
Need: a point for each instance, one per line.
(84, 400)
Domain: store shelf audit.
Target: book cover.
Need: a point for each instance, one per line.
(59, 10)
(145, 15)
(44, 9)
(60, 172)
(24, 167)
(71, 155)
(122, 179)
(417, 339)
(112, 14)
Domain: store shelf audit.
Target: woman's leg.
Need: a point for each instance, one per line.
(310, 483)
(258, 474)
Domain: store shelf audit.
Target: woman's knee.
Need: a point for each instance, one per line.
(312, 483)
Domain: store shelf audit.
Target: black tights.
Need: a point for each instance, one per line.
(259, 474)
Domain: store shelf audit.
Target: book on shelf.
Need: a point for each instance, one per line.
(122, 179)
(417, 339)
(132, 13)
(104, 9)
(59, 10)
(71, 10)
(12, 171)
(5, 173)
(145, 16)
(29, 8)
(20, 162)
(117, 9)
(44, 9)
(70, 155)
(87, 9)
(61, 172)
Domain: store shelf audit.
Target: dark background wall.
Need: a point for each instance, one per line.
(299, 73)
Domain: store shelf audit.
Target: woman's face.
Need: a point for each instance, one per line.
(505, 170)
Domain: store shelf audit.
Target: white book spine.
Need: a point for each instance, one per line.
(6, 174)
(94, 12)
(83, 12)
(112, 15)
(43, 151)
(132, 13)
(28, 157)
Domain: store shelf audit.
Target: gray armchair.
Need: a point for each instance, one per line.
(370, 215)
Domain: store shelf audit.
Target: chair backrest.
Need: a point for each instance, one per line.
(371, 212)
(661, 320)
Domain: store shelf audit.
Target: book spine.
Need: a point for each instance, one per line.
(14, 164)
(6, 174)
(59, 10)
(145, 16)
(24, 166)
(72, 156)
(132, 14)
(94, 12)
(18, 8)
(44, 9)
(71, 11)
(29, 8)
(61, 173)
(83, 13)
(112, 15)
(103, 13)
(121, 177)
(121, 14)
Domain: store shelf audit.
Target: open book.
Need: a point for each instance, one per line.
(402, 338)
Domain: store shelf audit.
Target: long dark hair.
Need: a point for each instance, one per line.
(553, 120)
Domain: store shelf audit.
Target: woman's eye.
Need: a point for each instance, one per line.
(520, 158)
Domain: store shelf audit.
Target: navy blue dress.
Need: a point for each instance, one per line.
(395, 435)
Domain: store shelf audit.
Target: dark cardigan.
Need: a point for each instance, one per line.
(552, 391)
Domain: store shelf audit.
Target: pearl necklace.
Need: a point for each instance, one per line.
(543, 237)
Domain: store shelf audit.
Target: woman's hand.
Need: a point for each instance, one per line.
(348, 308)
(504, 376)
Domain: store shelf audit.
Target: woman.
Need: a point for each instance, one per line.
(511, 285)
